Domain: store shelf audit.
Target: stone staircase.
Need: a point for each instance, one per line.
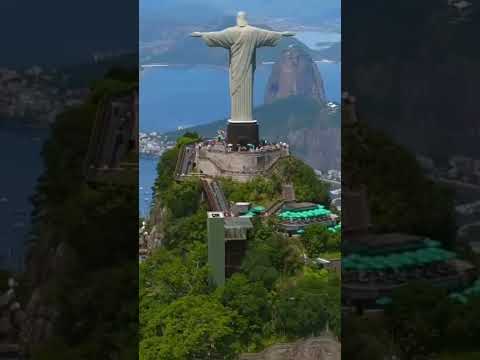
(323, 347)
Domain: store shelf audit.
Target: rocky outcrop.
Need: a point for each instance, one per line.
(421, 87)
(40, 314)
(312, 130)
(325, 347)
(295, 74)
(152, 233)
(12, 317)
(40, 318)
(320, 148)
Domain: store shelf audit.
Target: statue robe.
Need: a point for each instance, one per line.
(242, 43)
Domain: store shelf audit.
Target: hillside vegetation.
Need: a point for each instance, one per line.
(83, 264)
(183, 317)
(278, 119)
(401, 198)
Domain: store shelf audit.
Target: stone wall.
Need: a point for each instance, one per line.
(240, 166)
(324, 347)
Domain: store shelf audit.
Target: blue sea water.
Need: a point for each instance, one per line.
(313, 38)
(21, 164)
(180, 96)
(189, 96)
(148, 173)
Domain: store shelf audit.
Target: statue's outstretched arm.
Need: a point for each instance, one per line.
(215, 38)
(271, 38)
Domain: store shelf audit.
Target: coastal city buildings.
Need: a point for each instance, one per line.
(153, 144)
(36, 93)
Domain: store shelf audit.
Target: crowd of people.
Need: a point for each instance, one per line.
(219, 144)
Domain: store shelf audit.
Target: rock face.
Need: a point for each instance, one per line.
(12, 318)
(320, 148)
(43, 266)
(39, 320)
(423, 95)
(295, 74)
(325, 347)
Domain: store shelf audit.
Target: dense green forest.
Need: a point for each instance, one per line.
(422, 320)
(400, 196)
(266, 190)
(276, 296)
(94, 290)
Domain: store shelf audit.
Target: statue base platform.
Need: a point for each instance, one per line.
(219, 161)
(242, 133)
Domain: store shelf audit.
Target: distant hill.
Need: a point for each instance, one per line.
(398, 202)
(333, 53)
(64, 32)
(295, 73)
(311, 129)
(305, 10)
(194, 51)
(83, 75)
(419, 86)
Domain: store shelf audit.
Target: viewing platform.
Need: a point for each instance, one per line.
(218, 159)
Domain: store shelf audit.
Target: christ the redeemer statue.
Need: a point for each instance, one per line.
(242, 41)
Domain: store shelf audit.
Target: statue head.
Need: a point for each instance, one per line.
(242, 19)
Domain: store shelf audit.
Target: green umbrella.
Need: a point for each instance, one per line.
(383, 301)
(348, 264)
(459, 297)
(421, 257)
(378, 266)
(360, 266)
(258, 209)
(406, 260)
(468, 291)
(475, 290)
(432, 243)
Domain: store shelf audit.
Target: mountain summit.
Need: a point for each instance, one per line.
(295, 74)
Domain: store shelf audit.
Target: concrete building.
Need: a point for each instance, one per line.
(216, 247)
(113, 149)
(374, 265)
(227, 243)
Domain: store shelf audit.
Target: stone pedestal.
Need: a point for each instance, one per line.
(238, 165)
(242, 133)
